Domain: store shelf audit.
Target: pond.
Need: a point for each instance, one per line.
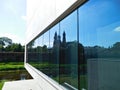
(14, 75)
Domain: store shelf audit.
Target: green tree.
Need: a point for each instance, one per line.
(15, 48)
(1, 48)
(116, 45)
(44, 48)
(4, 41)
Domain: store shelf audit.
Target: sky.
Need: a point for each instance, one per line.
(100, 17)
(100, 23)
(13, 20)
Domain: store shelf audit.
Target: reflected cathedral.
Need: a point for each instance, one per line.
(70, 53)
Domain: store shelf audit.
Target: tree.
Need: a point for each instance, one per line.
(5, 41)
(1, 48)
(116, 45)
(14, 47)
(44, 49)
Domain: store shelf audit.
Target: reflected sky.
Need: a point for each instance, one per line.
(52, 33)
(69, 25)
(100, 22)
(46, 39)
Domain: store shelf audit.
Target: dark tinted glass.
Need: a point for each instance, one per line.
(69, 51)
(99, 38)
(54, 52)
(83, 50)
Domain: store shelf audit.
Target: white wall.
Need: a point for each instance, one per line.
(41, 13)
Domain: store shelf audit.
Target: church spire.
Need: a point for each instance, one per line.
(55, 39)
(64, 39)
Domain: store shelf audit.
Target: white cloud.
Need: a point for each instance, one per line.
(117, 29)
(14, 38)
(24, 17)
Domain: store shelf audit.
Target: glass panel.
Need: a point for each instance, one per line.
(69, 51)
(39, 45)
(31, 52)
(45, 66)
(39, 49)
(99, 41)
(54, 52)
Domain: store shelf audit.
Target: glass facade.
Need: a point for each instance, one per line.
(99, 34)
(69, 50)
(82, 51)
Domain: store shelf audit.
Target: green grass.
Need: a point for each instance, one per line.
(73, 81)
(1, 83)
(11, 63)
(83, 81)
(11, 66)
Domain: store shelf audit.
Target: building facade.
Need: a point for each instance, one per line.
(74, 44)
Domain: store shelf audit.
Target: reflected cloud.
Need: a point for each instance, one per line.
(117, 29)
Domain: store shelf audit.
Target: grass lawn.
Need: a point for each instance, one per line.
(11, 66)
(1, 83)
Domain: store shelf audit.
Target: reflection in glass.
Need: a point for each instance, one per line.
(69, 51)
(45, 54)
(39, 48)
(100, 37)
(88, 60)
(54, 52)
(32, 52)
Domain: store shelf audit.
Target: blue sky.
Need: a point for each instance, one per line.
(13, 20)
(100, 23)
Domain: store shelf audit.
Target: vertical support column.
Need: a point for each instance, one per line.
(25, 55)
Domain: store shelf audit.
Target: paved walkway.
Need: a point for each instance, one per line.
(21, 85)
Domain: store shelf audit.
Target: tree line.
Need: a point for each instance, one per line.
(6, 45)
(102, 52)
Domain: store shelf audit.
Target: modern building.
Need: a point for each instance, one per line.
(73, 44)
